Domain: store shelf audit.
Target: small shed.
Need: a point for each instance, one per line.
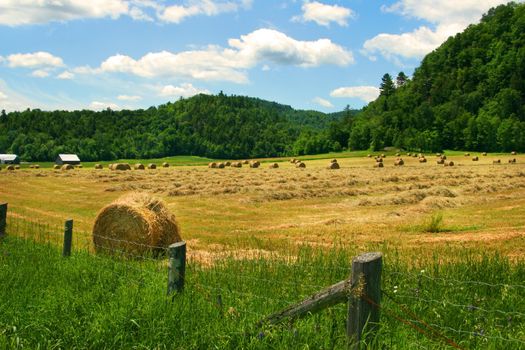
(67, 159)
(9, 159)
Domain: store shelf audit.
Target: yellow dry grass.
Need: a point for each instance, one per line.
(245, 209)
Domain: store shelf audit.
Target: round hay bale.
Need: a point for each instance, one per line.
(98, 166)
(37, 166)
(333, 161)
(333, 165)
(293, 160)
(78, 166)
(513, 153)
(378, 165)
(369, 156)
(440, 161)
(398, 154)
(379, 160)
(484, 154)
(135, 224)
(110, 167)
(121, 166)
(399, 162)
(449, 163)
(56, 167)
(237, 164)
(300, 165)
(444, 157)
(165, 165)
(212, 165)
(245, 162)
(10, 167)
(512, 161)
(383, 155)
(17, 167)
(422, 160)
(221, 165)
(497, 161)
(409, 154)
(31, 166)
(414, 156)
(467, 154)
(152, 166)
(139, 166)
(475, 159)
(228, 163)
(67, 167)
(421, 155)
(255, 164)
(274, 166)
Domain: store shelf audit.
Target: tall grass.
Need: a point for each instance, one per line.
(88, 301)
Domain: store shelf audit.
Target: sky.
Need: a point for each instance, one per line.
(130, 54)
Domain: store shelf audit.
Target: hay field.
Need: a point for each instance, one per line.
(275, 210)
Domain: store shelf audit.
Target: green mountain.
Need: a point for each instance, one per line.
(213, 126)
(467, 94)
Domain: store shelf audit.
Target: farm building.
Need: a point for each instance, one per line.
(67, 159)
(9, 159)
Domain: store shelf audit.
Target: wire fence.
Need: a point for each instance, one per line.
(474, 304)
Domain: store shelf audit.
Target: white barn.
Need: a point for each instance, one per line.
(67, 159)
(9, 159)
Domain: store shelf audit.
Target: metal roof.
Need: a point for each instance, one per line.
(8, 156)
(69, 157)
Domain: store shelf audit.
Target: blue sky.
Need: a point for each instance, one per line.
(323, 55)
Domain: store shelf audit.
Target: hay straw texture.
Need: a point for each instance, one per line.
(67, 167)
(135, 224)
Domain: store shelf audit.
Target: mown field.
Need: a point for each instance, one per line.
(453, 240)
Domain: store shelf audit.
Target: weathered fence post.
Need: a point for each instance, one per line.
(363, 306)
(3, 218)
(68, 237)
(176, 267)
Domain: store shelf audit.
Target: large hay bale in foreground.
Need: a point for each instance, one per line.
(139, 166)
(67, 167)
(134, 225)
(334, 165)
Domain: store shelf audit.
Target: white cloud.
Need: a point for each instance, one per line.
(448, 16)
(365, 93)
(98, 106)
(3, 96)
(66, 75)
(24, 12)
(34, 60)
(230, 64)
(129, 98)
(40, 73)
(322, 102)
(178, 13)
(323, 14)
(183, 90)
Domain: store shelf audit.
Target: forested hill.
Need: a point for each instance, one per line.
(214, 126)
(467, 94)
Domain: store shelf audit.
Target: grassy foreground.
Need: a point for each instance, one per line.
(96, 302)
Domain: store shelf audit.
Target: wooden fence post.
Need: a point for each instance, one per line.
(3, 219)
(363, 305)
(68, 238)
(176, 267)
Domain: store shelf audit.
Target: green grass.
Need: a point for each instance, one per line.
(88, 301)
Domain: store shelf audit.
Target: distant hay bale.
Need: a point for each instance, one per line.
(440, 161)
(409, 154)
(421, 155)
(255, 164)
(212, 165)
(10, 167)
(37, 166)
(379, 160)
(110, 166)
(398, 154)
(221, 165)
(165, 165)
(293, 160)
(67, 167)
(236, 165)
(300, 165)
(449, 163)
(31, 166)
(17, 167)
(98, 166)
(512, 161)
(497, 161)
(414, 155)
(333, 161)
(475, 158)
(274, 166)
(121, 166)
(333, 165)
(135, 224)
(467, 154)
(245, 162)
(484, 153)
(438, 154)
(399, 162)
(513, 153)
(139, 166)
(152, 166)
(383, 155)
(378, 165)
(369, 155)
(228, 163)
(56, 167)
